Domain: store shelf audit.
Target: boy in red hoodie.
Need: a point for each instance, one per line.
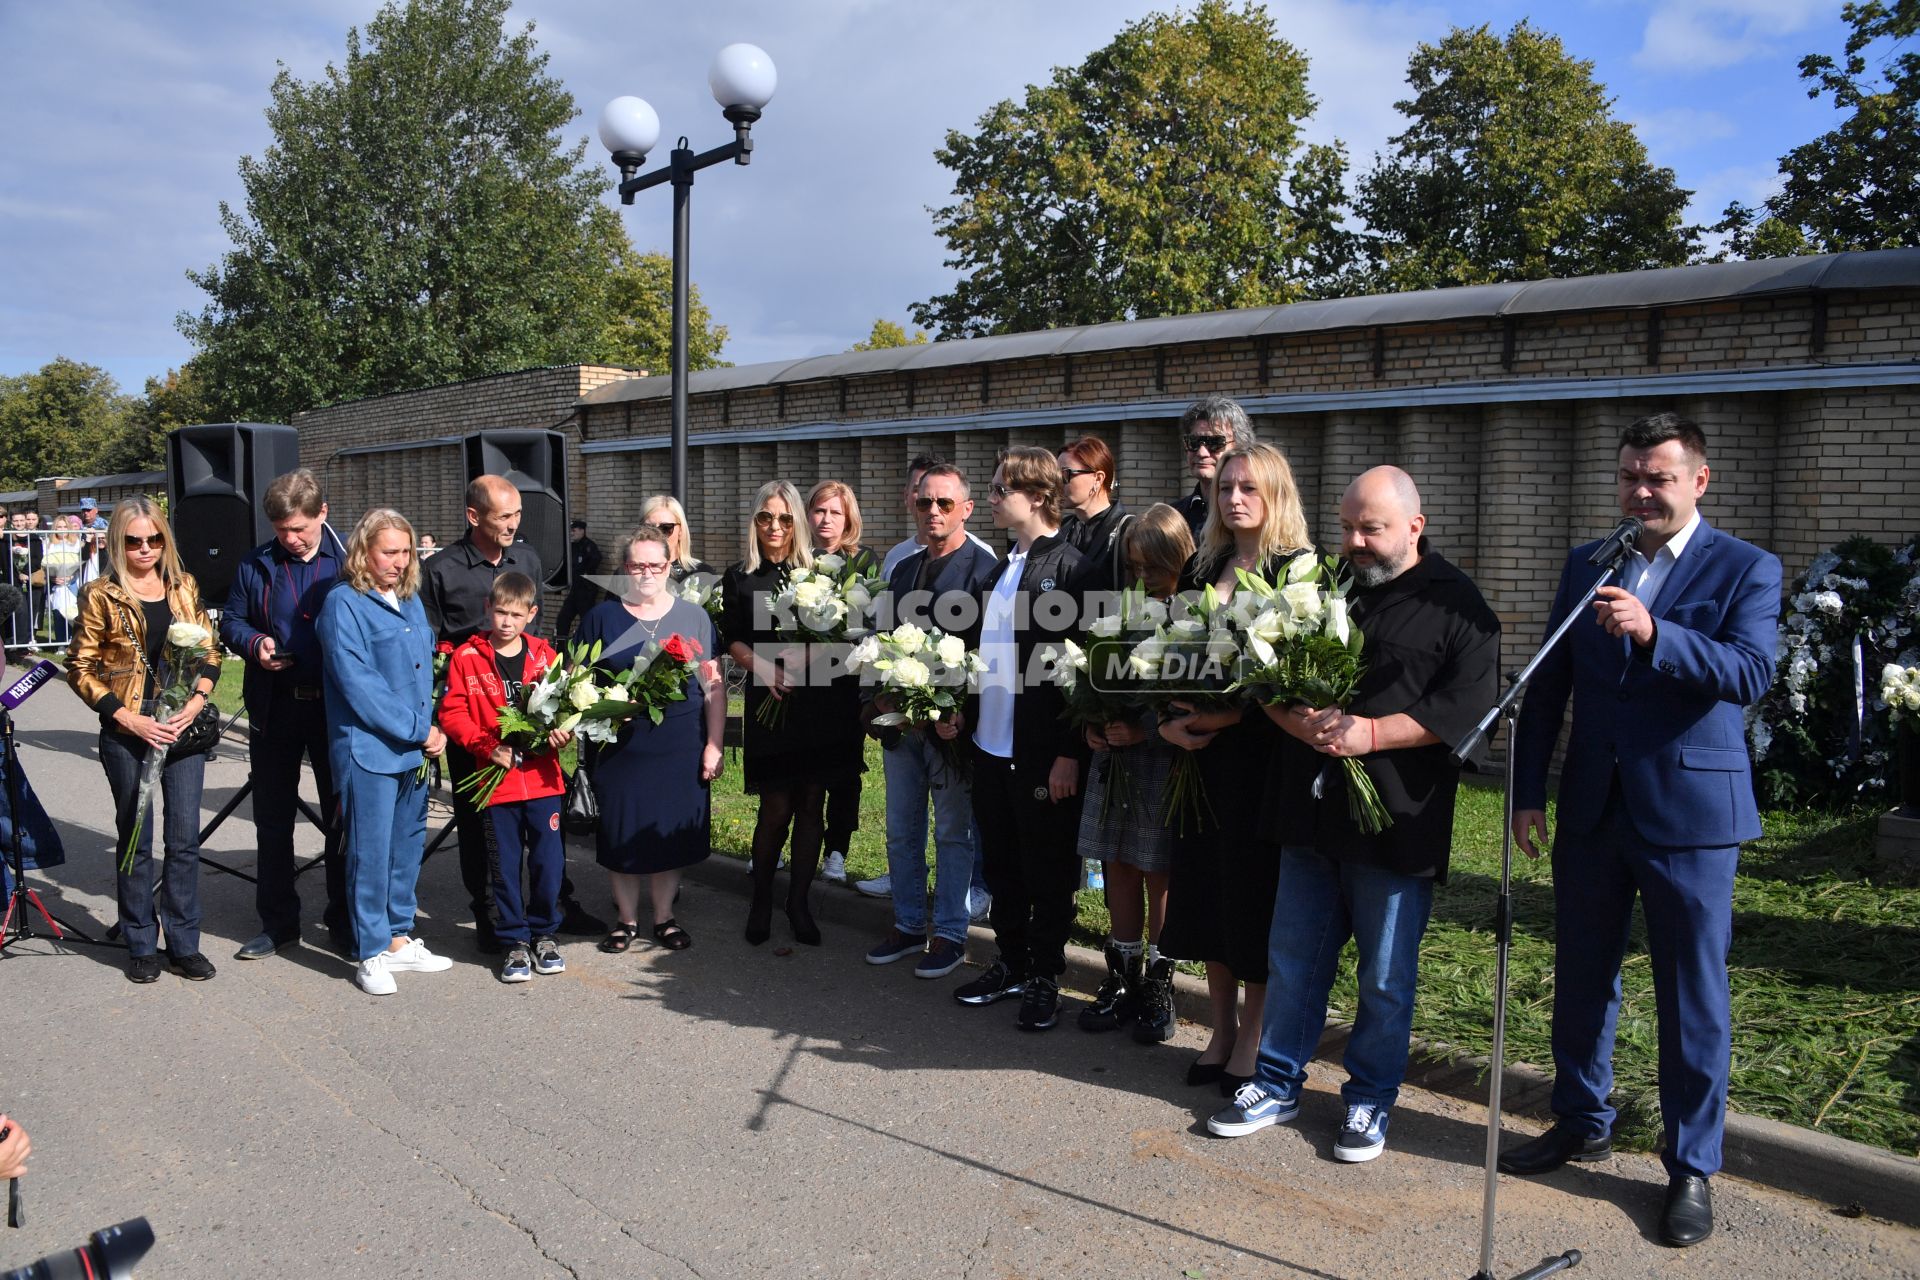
(487, 673)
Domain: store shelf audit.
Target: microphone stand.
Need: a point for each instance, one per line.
(17, 924)
(1611, 556)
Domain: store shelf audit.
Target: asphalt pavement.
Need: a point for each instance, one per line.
(727, 1111)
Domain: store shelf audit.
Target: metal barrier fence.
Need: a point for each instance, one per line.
(47, 567)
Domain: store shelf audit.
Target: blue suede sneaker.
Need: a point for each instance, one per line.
(896, 946)
(1363, 1136)
(1254, 1108)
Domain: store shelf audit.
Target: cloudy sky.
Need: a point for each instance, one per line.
(121, 122)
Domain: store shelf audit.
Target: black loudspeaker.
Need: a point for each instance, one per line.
(217, 476)
(535, 463)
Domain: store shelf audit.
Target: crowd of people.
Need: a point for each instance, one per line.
(339, 639)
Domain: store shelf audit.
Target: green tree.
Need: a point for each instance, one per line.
(639, 326)
(1512, 167)
(887, 334)
(1856, 186)
(176, 399)
(417, 219)
(1165, 174)
(54, 422)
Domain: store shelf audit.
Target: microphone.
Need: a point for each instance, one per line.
(40, 673)
(1619, 542)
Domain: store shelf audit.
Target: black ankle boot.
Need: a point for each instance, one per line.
(1113, 1003)
(1153, 1013)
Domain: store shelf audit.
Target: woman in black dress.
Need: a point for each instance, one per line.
(833, 516)
(813, 744)
(1220, 899)
(652, 781)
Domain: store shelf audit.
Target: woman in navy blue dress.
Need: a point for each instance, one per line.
(652, 782)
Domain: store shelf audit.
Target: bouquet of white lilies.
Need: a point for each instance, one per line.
(1301, 648)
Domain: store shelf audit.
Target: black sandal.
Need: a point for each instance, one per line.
(670, 935)
(619, 938)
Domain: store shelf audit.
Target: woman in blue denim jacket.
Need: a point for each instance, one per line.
(376, 650)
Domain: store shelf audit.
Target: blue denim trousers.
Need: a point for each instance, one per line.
(1321, 902)
(916, 774)
(176, 908)
(385, 839)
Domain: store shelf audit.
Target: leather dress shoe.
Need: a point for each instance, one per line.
(1552, 1149)
(1687, 1216)
(259, 948)
(192, 966)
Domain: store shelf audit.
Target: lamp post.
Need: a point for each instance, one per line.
(742, 79)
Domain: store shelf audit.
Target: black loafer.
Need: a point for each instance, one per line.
(1687, 1216)
(193, 966)
(1552, 1149)
(143, 969)
(263, 946)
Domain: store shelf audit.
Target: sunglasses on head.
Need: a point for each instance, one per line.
(154, 540)
(928, 504)
(1212, 444)
(767, 519)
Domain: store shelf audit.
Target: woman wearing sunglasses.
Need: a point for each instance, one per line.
(663, 512)
(1093, 522)
(792, 758)
(116, 663)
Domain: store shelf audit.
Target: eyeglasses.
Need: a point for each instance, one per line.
(767, 519)
(647, 568)
(1212, 444)
(928, 504)
(154, 540)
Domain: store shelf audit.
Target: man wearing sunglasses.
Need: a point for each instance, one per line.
(1209, 428)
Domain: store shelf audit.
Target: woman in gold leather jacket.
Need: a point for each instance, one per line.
(122, 616)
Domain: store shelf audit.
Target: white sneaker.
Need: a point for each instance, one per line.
(979, 905)
(878, 887)
(372, 976)
(836, 868)
(415, 958)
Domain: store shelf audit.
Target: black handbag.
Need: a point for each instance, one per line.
(197, 738)
(580, 812)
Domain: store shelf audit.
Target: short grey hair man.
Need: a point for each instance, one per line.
(1210, 426)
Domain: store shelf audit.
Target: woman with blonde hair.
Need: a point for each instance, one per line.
(1220, 898)
(792, 757)
(833, 516)
(663, 511)
(117, 663)
(376, 651)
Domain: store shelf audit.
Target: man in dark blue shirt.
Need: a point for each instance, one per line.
(268, 620)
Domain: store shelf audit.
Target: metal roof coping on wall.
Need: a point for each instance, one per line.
(115, 481)
(1629, 290)
(361, 450)
(1453, 394)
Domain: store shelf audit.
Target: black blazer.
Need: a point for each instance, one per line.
(970, 571)
(1041, 733)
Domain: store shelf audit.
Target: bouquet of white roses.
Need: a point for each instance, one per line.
(830, 603)
(1187, 660)
(184, 649)
(1900, 690)
(1301, 648)
(923, 675)
(703, 590)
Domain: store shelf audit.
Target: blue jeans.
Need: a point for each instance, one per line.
(1321, 903)
(176, 910)
(916, 773)
(386, 836)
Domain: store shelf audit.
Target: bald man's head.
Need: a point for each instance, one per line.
(493, 514)
(1380, 525)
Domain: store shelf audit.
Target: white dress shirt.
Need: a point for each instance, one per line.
(1644, 577)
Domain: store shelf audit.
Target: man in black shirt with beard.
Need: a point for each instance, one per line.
(1431, 654)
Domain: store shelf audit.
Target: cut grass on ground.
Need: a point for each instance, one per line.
(1825, 966)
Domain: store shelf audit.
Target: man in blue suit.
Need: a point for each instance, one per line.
(950, 569)
(1655, 797)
